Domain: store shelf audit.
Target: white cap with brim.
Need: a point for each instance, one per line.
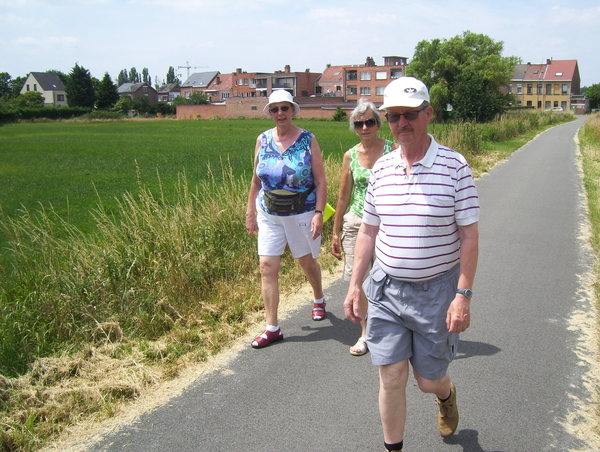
(405, 92)
(281, 95)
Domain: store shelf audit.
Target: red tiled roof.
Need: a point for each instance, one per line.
(556, 70)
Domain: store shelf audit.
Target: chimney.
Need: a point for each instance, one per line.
(549, 61)
(328, 65)
(287, 69)
(238, 70)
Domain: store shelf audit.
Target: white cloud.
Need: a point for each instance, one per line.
(346, 17)
(66, 41)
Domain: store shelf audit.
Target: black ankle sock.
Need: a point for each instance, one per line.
(397, 446)
(443, 400)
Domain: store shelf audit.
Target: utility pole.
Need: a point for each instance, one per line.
(188, 67)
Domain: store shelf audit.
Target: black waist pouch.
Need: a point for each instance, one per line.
(286, 201)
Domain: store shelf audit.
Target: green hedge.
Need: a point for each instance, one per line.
(15, 114)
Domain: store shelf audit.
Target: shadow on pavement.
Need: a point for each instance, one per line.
(468, 439)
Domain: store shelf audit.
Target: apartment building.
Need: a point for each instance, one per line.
(553, 85)
(260, 84)
(351, 82)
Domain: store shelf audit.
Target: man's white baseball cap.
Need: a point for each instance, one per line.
(405, 92)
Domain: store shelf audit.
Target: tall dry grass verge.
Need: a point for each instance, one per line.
(589, 139)
(90, 322)
(476, 140)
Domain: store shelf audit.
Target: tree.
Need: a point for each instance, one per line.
(30, 99)
(146, 76)
(134, 77)
(593, 94)
(198, 98)
(171, 77)
(122, 77)
(79, 89)
(106, 94)
(17, 85)
(465, 72)
(5, 84)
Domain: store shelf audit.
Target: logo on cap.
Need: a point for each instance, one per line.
(410, 90)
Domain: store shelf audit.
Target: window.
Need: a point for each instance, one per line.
(338, 88)
(510, 89)
(519, 88)
(60, 97)
(540, 90)
(379, 90)
(539, 105)
(253, 107)
(529, 103)
(395, 73)
(565, 89)
(365, 76)
(351, 90)
(563, 104)
(351, 75)
(380, 75)
(35, 87)
(536, 71)
(145, 88)
(548, 88)
(224, 95)
(559, 74)
(187, 94)
(246, 82)
(27, 87)
(365, 90)
(530, 88)
(555, 103)
(548, 105)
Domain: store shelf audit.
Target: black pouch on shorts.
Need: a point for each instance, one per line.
(286, 201)
(373, 286)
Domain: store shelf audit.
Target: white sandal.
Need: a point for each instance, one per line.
(361, 345)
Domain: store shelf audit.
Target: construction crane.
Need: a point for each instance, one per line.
(188, 67)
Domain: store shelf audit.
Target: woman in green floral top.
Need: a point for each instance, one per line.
(356, 170)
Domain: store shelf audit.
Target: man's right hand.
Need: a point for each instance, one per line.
(352, 305)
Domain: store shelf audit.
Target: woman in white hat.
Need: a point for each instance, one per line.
(356, 169)
(287, 196)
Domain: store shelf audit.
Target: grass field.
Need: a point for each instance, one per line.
(71, 166)
(163, 274)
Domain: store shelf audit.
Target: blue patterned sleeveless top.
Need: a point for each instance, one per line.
(290, 170)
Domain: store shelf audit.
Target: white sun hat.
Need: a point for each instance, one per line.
(405, 92)
(281, 95)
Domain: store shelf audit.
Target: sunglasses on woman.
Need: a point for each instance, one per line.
(369, 123)
(276, 109)
(410, 116)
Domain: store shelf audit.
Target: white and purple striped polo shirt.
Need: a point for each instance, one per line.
(418, 216)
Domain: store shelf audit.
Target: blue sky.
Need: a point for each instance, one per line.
(265, 35)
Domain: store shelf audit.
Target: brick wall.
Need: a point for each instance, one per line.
(252, 107)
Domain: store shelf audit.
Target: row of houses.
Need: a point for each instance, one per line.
(554, 84)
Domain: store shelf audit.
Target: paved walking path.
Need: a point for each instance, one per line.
(521, 373)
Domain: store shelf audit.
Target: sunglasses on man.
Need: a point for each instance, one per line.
(393, 118)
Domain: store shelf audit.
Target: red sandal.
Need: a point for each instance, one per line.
(267, 338)
(318, 312)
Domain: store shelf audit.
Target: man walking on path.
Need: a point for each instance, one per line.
(421, 215)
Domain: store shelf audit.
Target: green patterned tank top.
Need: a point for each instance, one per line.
(360, 177)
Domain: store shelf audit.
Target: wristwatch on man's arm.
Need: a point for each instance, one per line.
(466, 292)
